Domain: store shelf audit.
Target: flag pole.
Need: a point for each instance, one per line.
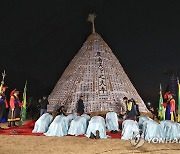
(2, 82)
(178, 120)
(161, 111)
(23, 107)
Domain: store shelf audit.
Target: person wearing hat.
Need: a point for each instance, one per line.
(15, 106)
(3, 105)
(170, 108)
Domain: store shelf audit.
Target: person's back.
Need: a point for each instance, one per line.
(78, 126)
(59, 126)
(112, 122)
(42, 124)
(97, 127)
(80, 106)
(152, 130)
(129, 128)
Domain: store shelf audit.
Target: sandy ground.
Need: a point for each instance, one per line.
(77, 145)
(14, 144)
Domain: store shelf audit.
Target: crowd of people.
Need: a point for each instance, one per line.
(95, 127)
(14, 107)
(61, 123)
(130, 108)
(10, 111)
(134, 126)
(130, 111)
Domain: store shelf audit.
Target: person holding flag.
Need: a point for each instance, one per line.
(15, 106)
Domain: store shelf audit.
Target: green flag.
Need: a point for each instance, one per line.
(23, 108)
(178, 101)
(161, 110)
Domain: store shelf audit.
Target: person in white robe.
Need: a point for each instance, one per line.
(96, 127)
(78, 126)
(72, 116)
(86, 116)
(112, 122)
(141, 120)
(171, 129)
(152, 131)
(59, 126)
(130, 129)
(42, 124)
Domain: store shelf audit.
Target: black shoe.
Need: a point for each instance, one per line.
(9, 124)
(115, 131)
(14, 124)
(92, 136)
(112, 131)
(97, 135)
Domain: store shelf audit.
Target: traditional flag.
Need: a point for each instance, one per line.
(161, 110)
(178, 101)
(2, 82)
(1, 86)
(23, 108)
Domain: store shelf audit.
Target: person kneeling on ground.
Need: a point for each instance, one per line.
(96, 128)
(112, 122)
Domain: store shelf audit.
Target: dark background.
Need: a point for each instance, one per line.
(38, 39)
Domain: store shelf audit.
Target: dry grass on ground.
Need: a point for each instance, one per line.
(77, 145)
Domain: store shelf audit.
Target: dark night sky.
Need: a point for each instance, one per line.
(39, 39)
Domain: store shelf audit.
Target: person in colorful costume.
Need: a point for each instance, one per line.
(15, 107)
(3, 105)
(169, 106)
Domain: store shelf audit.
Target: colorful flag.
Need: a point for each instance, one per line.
(1, 86)
(2, 82)
(161, 110)
(23, 108)
(178, 101)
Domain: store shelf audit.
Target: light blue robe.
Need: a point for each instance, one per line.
(152, 131)
(72, 116)
(87, 117)
(78, 126)
(142, 119)
(130, 128)
(171, 129)
(112, 121)
(42, 124)
(59, 126)
(97, 123)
